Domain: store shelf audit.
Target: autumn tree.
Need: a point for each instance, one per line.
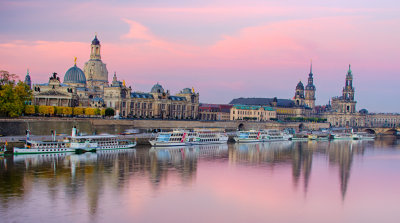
(89, 111)
(78, 111)
(29, 109)
(13, 96)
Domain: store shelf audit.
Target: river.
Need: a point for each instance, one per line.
(332, 181)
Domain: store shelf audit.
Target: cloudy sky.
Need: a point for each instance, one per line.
(223, 48)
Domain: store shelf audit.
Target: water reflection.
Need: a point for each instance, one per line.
(182, 159)
(91, 181)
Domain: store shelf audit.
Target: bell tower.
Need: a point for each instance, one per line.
(299, 95)
(95, 70)
(95, 49)
(310, 90)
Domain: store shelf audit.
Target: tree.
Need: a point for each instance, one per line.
(103, 112)
(59, 110)
(29, 109)
(97, 111)
(89, 111)
(13, 97)
(67, 111)
(78, 111)
(109, 112)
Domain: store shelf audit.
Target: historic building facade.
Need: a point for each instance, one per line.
(342, 111)
(284, 107)
(90, 88)
(215, 112)
(251, 112)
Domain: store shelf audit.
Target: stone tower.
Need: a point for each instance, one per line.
(310, 90)
(95, 70)
(28, 79)
(299, 95)
(346, 102)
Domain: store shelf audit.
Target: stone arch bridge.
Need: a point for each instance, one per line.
(380, 130)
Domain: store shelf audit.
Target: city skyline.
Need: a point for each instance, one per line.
(224, 50)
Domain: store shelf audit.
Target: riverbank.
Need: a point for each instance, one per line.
(43, 125)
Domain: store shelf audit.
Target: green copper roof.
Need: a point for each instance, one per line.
(349, 71)
(253, 107)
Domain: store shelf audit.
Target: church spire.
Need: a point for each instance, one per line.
(311, 67)
(28, 79)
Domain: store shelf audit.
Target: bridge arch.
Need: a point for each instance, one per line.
(240, 127)
(390, 132)
(371, 131)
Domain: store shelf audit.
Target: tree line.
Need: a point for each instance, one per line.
(44, 110)
(13, 95)
(16, 96)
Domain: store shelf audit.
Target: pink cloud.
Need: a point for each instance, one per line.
(252, 56)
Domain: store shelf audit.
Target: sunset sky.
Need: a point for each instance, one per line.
(224, 49)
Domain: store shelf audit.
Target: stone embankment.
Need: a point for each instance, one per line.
(13, 130)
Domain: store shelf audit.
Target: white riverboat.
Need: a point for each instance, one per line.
(207, 136)
(174, 138)
(363, 136)
(37, 147)
(276, 135)
(343, 136)
(74, 143)
(98, 142)
(32, 147)
(250, 136)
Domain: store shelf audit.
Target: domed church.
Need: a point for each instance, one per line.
(90, 88)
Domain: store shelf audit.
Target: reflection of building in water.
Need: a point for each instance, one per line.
(302, 155)
(341, 153)
(183, 159)
(260, 153)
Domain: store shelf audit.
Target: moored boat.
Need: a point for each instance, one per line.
(250, 136)
(32, 147)
(174, 138)
(343, 136)
(206, 136)
(363, 136)
(276, 135)
(99, 142)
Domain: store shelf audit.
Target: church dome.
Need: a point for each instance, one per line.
(95, 41)
(74, 75)
(300, 86)
(157, 89)
(186, 91)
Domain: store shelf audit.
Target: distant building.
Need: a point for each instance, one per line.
(216, 112)
(252, 112)
(284, 107)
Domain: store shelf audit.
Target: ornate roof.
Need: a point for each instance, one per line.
(157, 88)
(300, 86)
(75, 75)
(95, 41)
(52, 93)
(349, 72)
(263, 102)
(186, 91)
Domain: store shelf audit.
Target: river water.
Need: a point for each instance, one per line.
(336, 181)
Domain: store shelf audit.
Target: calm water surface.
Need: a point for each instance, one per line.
(337, 181)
